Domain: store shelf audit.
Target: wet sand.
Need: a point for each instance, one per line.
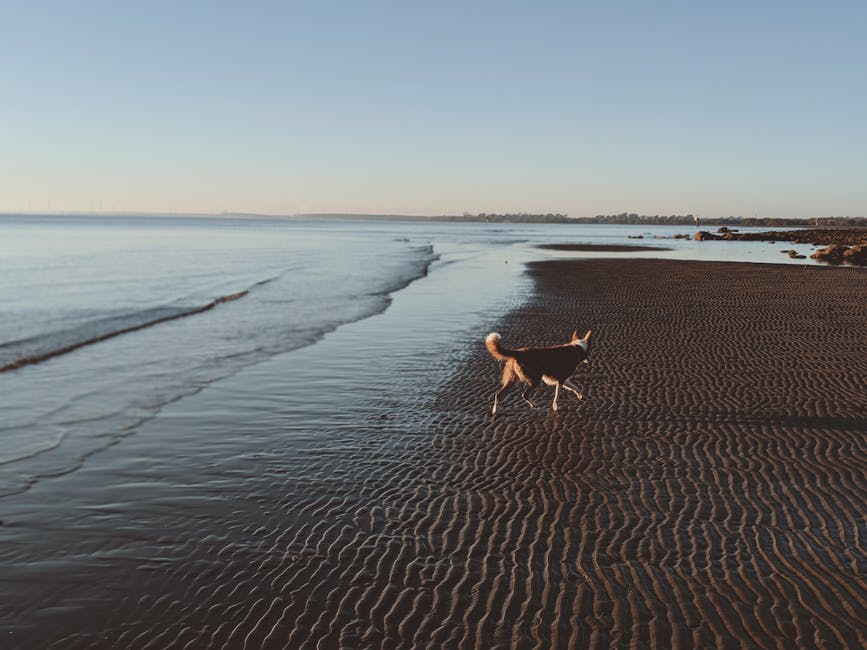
(602, 248)
(709, 491)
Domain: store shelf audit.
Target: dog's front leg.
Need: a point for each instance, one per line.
(556, 395)
(574, 390)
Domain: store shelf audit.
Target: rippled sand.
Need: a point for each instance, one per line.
(709, 491)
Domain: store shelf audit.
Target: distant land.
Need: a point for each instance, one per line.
(625, 218)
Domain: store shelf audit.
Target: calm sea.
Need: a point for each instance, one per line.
(104, 320)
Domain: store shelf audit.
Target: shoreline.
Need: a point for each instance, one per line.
(706, 490)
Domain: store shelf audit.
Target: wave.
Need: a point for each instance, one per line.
(55, 344)
(53, 424)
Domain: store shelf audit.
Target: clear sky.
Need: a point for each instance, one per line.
(711, 108)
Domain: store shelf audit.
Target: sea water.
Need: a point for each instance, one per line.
(104, 320)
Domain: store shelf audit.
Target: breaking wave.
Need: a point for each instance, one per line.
(47, 346)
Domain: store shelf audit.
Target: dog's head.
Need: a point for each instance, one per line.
(584, 342)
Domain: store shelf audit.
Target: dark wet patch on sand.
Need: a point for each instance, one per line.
(602, 248)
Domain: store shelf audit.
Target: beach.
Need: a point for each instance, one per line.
(264, 270)
(709, 490)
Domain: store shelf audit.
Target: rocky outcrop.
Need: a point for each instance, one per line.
(832, 254)
(814, 236)
(842, 245)
(856, 255)
(840, 254)
(722, 233)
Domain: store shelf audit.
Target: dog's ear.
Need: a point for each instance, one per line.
(574, 335)
(587, 335)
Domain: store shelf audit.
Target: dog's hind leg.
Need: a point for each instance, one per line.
(507, 378)
(527, 390)
(497, 397)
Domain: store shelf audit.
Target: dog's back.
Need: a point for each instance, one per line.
(557, 362)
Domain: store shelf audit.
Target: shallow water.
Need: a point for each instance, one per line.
(266, 457)
(105, 321)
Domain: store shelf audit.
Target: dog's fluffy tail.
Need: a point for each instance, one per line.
(492, 342)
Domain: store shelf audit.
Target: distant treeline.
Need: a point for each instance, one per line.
(512, 217)
(689, 219)
(658, 219)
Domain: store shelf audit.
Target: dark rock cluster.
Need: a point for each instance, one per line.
(840, 254)
(843, 245)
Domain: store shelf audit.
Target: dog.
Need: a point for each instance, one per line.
(553, 365)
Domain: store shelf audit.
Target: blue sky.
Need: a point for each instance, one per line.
(711, 108)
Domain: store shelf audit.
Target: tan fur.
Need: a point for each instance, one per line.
(553, 365)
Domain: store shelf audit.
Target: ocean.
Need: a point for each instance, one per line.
(104, 320)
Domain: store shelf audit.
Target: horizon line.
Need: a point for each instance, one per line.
(391, 215)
